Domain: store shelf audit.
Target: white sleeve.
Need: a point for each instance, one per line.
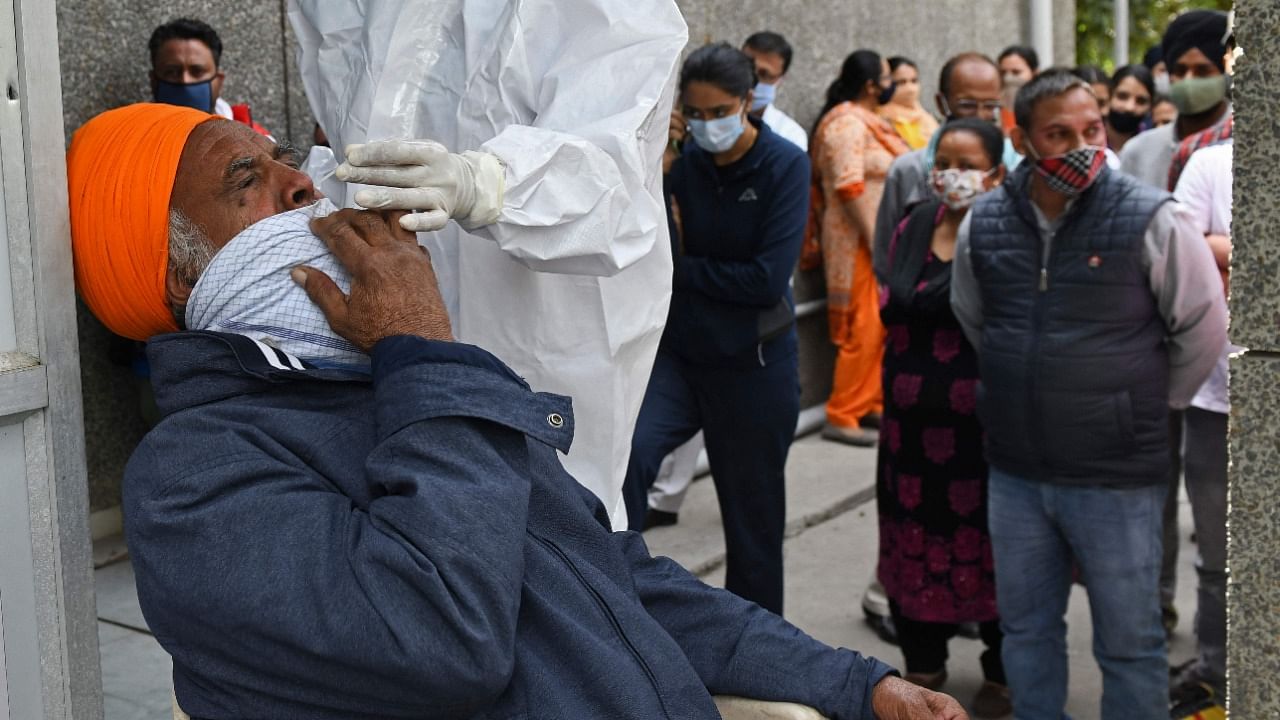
(583, 173)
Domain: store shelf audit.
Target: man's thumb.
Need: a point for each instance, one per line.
(323, 291)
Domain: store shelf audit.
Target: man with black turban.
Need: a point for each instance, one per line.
(1194, 49)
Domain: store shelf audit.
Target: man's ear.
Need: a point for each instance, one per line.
(176, 291)
(216, 84)
(1019, 139)
(941, 102)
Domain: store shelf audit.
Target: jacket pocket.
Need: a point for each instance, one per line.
(1086, 426)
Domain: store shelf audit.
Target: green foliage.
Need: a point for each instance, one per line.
(1095, 26)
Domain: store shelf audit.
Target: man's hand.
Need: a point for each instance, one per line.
(896, 699)
(677, 129)
(423, 175)
(393, 286)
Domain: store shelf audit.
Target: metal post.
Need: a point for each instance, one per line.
(1042, 30)
(1121, 54)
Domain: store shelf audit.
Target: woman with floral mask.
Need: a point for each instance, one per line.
(935, 551)
(727, 362)
(852, 149)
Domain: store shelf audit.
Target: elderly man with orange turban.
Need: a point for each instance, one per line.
(342, 513)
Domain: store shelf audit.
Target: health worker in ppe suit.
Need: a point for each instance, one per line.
(537, 126)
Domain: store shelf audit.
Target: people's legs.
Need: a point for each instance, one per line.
(924, 644)
(668, 417)
(856, 390)
(749, 420)
(1033, 579)
(1115, 534)
(1206, 469)
(992, 662)
(675, 476)
(1170, 542)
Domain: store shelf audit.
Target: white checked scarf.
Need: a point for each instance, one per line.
(247, 290)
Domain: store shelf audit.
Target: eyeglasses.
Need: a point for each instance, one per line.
(973, 106)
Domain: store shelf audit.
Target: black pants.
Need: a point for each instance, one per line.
(747, 414)
(924, 645)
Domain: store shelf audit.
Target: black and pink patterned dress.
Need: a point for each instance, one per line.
(935, 551)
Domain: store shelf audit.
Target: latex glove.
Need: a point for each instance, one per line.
(424, 176)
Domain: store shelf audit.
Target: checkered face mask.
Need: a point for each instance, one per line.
(247, 290)
(1071, 173)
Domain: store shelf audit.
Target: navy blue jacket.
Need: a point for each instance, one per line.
(743, 225)
(1075, 369)
(320, 544)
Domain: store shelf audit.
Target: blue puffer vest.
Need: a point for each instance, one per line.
(1075, 373)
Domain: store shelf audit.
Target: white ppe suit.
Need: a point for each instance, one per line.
(571, 285)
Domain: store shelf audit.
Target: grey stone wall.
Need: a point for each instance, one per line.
(102, 44)
(1253, 554)
(103, 48)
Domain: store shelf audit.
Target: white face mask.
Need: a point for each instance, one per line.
(717, 136)
(957, 188)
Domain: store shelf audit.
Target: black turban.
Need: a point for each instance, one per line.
(1153, 57)
(1205, 30)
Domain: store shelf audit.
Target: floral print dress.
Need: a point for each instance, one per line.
(935, 551)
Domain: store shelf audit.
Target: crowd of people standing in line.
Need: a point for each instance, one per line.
(1023, 300)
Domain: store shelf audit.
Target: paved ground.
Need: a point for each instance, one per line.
(830, 556)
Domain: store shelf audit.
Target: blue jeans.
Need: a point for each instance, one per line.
(1114, 535)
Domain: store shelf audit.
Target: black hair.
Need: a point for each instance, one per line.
(1092, 74)
(1137, 72)
(944, 77)
(1049, 84)
(1153, 57)
(861, 66)
(1157, 98)
(898, 61)
(1028, 54)
(991, 136)
(771, 42)
(722, 65)
(186, 29)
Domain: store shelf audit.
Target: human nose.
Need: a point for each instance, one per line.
(295, 188)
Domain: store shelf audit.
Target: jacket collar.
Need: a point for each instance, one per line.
(198, 367)
(1018, 189)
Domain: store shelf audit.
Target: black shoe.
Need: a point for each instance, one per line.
(870, 421)
(1196, 700)
(883, 626)
(659, 518)
(969, 630)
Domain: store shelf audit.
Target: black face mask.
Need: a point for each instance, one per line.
(886, 93)
(1124, 122)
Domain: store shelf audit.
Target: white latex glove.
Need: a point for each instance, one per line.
(424, 176)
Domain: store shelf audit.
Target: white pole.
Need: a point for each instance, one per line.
(1042, 30)
(1122, 33)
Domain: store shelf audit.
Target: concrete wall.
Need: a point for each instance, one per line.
(105, 62)
(1253, 596)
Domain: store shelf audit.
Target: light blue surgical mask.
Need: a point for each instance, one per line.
(763, 96)
(717, 136)
(198, 95)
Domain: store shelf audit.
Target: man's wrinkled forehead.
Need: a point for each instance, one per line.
(217, 151)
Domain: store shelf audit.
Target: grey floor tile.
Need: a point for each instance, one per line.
(137, 675)
(117, 596)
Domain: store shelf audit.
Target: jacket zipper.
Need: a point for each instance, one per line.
(1037, 328)
(613, 620)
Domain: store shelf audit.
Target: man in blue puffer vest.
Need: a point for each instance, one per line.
(344, 514)
(1094, 306)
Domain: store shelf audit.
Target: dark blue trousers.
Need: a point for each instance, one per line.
(747, 412)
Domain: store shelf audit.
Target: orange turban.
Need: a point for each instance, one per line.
(120, 173)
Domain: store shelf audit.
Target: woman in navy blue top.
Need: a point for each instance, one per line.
(737, 201)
